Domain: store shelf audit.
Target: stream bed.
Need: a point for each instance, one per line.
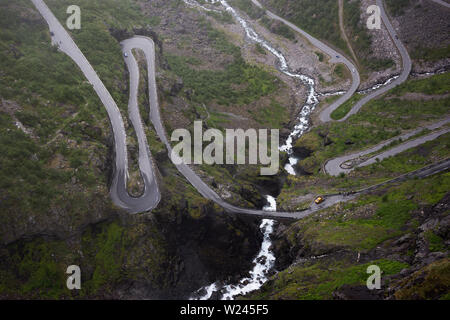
(265, 260)
(263, 264)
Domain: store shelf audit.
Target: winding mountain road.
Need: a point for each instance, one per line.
(336, 166)
(442, 3)
(325, 115)
(335, 57)
(151, 195)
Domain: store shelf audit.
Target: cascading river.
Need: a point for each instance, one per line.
(312, 100)
(265, 259)
(263, 264)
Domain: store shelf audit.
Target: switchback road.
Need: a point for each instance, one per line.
(151, 196)
(335, 57)
(336, 166)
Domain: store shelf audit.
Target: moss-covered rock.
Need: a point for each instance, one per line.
(430, 282)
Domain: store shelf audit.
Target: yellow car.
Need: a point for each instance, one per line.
(319, 200)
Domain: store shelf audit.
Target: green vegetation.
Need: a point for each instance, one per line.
(48, 93)
(218, 39)
(397, 7)
(106, 254)
(41, 274)
(318, 281)
(372, 125)
(39, 78)
(40, 182)
(275, 116)
(223, 17)
(389, 218)
(360, 226)
(345, 108)
(377, 121)
(319, 55)
(260, 49)
(248, 7)
(435, 85)
(340, 71)
(436, 243)
(108, 251)
(327, 101)
(95, 40)
(430, 54)
(318, 17)
(412, 159)
(311, 142)
(430, 282)
(40, 186)
(49, 179)
(278, 28)
(237, 83)
(217, 120)
(361, 39)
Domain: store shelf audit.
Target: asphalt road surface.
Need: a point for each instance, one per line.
(335, 57)
(442, 3)
(151, 196)
(325, 115)
(406, 70)
(335, 166)
(119, 194)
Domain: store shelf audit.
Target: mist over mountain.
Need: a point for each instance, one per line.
(94, 92)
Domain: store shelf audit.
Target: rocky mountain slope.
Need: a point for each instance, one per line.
(56, 161)
(55, 208)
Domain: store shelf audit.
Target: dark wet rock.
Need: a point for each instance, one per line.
(357, 292)
(176, 87)
(262, 260)
(349, 142)
(284, 133)
(327, 141)
(301, 152)
(422, 278)
(200, 293)
(216, 295)
(210, 250)
(189, 93)
(270, 185)
(251, 194)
